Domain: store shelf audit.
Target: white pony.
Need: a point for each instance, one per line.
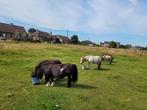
(92, 59)
(107, 58)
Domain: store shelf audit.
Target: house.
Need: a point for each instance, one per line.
(63, 39)
(108, 44)
(54, 39)
(43, 36)
(39, 36)
(117, 44)
(105, 44)
(137, 48)
(11, 31)
(59, 39)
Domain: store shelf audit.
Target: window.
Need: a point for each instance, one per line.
(4, 35)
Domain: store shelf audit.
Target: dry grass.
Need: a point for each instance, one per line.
(113, 51)
(97, 50)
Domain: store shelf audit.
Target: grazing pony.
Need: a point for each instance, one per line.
(108, 58)
(59, 71)
(41, 67)
(92, 59)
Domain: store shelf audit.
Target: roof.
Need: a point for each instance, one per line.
(64, 38)
(53, 37)
(19, 29)
(43, 34)
(11, 28)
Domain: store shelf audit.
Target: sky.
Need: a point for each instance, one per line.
(124, 21)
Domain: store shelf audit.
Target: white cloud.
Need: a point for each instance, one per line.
(81, 15)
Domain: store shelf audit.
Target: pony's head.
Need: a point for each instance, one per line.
(82, 60)
(38, 72)
(103, 57)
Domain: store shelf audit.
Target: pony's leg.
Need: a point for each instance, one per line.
(89, 64)
(69, 81)
(52, 81)
(107, 61)
(47, 80)
(99, 65)
(111, 61)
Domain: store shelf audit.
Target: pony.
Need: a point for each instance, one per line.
(41, 65)
(59, 71)
(108, 58)
(92, 59)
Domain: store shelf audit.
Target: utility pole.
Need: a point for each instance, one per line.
(67, 33)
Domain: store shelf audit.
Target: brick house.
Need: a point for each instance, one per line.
(59, 39)
(11, 31)
(107, 44)
(39, 36)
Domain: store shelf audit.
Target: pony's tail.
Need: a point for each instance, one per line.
(74, 77)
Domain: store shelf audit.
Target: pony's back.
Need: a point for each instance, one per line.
(46, 62)
(43, 66)
(70, 69)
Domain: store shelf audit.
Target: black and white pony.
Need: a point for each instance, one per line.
(92, 59)
(52, 71)
(41, 67)
(108, 58)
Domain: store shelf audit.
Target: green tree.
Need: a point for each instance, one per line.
(127, 46)
(32, 30)
(74, 39)
(86, 42)
(145, 48)
(113, 44)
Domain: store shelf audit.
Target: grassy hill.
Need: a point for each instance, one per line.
(120, 86)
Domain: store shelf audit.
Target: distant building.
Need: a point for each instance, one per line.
(39, 36)
(63, 39)
(59, 39)
(137, 48)
(107, 44)
(117, 44)
(11, 31)
(54, 39)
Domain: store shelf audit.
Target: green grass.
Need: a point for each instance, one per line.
(120, 86)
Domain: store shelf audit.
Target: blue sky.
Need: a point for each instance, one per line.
(124, 21)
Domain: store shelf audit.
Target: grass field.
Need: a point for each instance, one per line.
(120, 86)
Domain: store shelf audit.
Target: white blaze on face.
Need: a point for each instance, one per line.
(61, 69)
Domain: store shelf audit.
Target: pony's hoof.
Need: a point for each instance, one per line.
(47, 84)
(52, 84)
(69, 86)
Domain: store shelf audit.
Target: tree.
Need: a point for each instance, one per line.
(127, 46)
(86, 42)
(74, 39)
(145, 48)
(32, 30)
(113, 44)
